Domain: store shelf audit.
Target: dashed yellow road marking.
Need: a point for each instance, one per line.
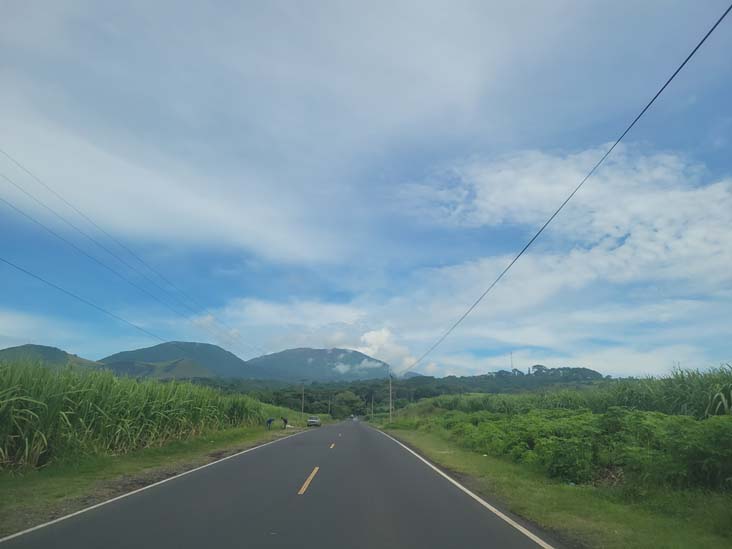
(332, 446)
(308, 481)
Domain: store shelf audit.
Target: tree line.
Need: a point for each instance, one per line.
(342, 399)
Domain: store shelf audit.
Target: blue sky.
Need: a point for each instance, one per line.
(330, 175)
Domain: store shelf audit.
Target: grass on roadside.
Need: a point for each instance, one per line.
(36, 496)
(49, 415)
(586, 515)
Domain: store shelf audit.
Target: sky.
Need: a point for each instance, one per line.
(331, 174)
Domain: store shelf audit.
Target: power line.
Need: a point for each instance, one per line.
(229, 333)
(82, 299)
(84, 252)
(98, 227)
(577, 188)
(77, 229)
(75, 209)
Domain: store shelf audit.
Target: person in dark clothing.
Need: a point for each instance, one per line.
(269, 423)
(284, 423)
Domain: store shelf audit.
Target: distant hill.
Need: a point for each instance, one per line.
(50, 356)
(178, 359)
(318, 365)
(186, 360)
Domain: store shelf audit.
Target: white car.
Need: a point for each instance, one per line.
(313, 421)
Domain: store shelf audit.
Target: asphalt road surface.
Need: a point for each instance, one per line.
(367, 491)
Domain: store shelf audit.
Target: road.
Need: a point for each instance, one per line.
(368, 491)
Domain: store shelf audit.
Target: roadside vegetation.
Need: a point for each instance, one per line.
(662, 445)
(49, 415)
(585, 515)
(343, 398)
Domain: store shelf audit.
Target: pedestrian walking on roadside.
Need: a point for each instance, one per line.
(269, 423)
(284, 423)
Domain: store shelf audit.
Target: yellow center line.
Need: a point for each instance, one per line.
(332, 446)
(308, 481)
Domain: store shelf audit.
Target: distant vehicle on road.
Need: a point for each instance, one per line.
(313, 421)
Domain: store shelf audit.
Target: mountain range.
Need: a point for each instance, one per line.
(182, 360)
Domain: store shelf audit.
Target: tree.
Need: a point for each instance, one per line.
(539, 369)
(347, 403)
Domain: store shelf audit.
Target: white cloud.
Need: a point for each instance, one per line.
(381, 344)
(306, 314)
(636, 272)
(278, 131)
(261, 128)
(18, 328)
(224, 335)
(367, 364)
(640, 260)
(641, 217)
(165, 202)
(618, 361)
(652, 291)
(342, 368)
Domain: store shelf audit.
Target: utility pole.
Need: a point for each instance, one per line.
(390, 405)
(372, 405)
(302, 403)
(511, 361)
(329, 398)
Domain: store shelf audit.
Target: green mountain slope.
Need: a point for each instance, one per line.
(181, 368)
(178, 359)
(318, 365)
(50, 356)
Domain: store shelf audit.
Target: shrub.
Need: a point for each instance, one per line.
(577, 445)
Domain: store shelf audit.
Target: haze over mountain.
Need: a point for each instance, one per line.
(319, 365)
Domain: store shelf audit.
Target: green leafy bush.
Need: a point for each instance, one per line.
(580, 445)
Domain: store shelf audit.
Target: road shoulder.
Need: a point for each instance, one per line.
(467, 484)
(574, 516)
(36, 497)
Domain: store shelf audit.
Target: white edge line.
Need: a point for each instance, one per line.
(184, 473)
(536, 539)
